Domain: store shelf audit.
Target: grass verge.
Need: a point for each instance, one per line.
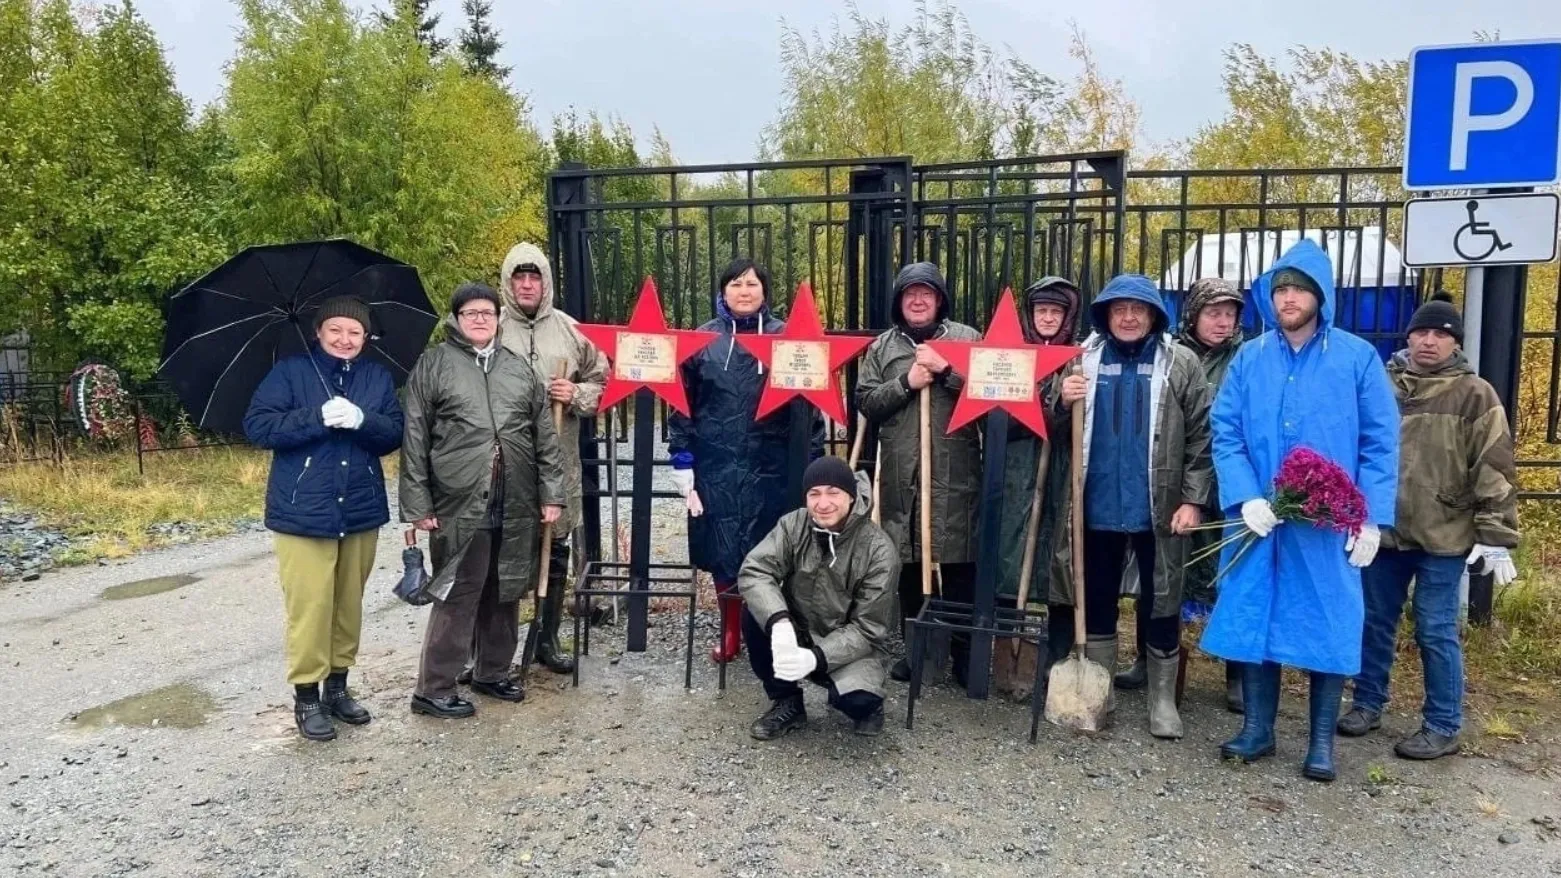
(110, 507)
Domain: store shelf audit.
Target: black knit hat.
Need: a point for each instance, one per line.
(830, 471)
(470, 292)
(1438, 312)
(1291, 277)
(350, 307)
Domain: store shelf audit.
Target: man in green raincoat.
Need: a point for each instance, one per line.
(820, 594)
(1211, 330)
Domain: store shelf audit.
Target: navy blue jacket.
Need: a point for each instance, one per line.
(325, 482)
(1116, 490)
(739, 461)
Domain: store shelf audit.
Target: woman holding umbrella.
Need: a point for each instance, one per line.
(327, 417)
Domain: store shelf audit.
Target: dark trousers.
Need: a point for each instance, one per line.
(1103, 554)
(856, 705)
(471, 621)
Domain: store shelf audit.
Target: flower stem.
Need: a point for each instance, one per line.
(1216, 548)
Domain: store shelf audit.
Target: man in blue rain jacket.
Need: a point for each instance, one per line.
(1294, 598)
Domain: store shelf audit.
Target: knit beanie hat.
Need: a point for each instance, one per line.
(350, 307)
(830, 471)
(471, 292)
(1290, 277)
(1438, 312)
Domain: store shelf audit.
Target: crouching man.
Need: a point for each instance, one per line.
(820, 593)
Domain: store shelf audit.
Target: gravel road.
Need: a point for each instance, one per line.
(150, 734)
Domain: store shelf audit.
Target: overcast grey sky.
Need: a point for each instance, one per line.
(708, 71)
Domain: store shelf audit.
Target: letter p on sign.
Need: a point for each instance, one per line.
(1465, 120)
(1484, 115)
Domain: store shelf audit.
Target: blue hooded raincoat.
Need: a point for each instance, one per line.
(1293, 598)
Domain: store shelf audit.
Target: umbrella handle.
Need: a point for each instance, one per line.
(411, 536)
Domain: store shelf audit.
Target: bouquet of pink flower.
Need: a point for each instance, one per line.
(1309, 488)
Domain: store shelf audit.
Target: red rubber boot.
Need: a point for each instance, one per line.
(731, 637)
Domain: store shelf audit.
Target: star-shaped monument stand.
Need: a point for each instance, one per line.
(803, 361)
(646, 353)
(1002, 370)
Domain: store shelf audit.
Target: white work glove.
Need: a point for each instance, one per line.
(794, 664)
(783, 637)
(1363, 546)
(1493, 560)
(683, 481)
(341, 412)
(1259, 517)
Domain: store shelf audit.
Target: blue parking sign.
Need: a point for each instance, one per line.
(1483, 115)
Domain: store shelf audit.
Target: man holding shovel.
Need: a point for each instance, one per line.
(1144, 455)
(909, 392)
(1034, 491)
(545, 337)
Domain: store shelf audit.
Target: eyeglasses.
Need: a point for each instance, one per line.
(477, 316)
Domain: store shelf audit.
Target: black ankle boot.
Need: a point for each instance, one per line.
(783, 716)
(342, 705)
(311, 716)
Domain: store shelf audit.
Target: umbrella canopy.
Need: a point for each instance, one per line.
(226, 330)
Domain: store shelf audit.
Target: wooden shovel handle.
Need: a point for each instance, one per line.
(1031, 531)
(1076, 507)
(544, 564)
(925, 492)
(856, 444)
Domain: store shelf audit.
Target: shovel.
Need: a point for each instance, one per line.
(856, 457)
(1078, 689)
(534, 631)
(1013, 665)
(924, 495)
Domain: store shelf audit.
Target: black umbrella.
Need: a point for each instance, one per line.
(226, 330)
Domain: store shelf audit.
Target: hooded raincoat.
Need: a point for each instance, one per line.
(1216, 360)
(544, 340)
(887, 400)
(838, 589)
(740, 462)
(457, 406)
(1293, 597)
(1180, 470)
(1019, 471)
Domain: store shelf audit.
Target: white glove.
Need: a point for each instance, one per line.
(1363, 546)
(683, 481)
(783, 637)
(341, 412)
(1493, 560)
(794, 664)
(1259, 517)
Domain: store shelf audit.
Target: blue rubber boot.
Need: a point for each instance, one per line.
(1260, 707)
(1327, 693)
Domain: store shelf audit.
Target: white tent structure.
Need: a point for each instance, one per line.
(1369, 259)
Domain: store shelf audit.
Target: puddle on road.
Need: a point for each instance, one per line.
(143, 587)
(180, 706)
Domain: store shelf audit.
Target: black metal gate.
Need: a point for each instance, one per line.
(847, 225)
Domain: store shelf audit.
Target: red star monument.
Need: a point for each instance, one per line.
(1002, 370)
(646, 353)
(803, 361)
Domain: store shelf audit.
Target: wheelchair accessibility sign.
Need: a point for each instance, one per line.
(1481, 230)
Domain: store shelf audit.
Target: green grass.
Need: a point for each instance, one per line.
(108, 506)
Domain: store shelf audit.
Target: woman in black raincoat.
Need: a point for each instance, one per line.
(730, 466)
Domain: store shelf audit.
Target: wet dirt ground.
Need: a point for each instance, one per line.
(148, 731)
